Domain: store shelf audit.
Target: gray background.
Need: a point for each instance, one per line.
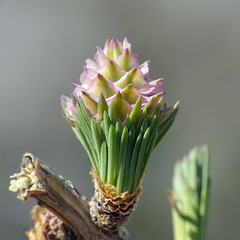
(194, 45)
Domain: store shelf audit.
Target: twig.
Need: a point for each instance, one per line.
(37, 180)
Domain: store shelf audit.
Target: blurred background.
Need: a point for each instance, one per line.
(193, 45)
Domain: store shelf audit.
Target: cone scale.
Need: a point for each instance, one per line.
(119, 115)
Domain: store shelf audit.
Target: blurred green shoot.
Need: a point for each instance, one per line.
(190, 195)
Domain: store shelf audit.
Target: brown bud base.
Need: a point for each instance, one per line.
(48, 226)
(109, 209)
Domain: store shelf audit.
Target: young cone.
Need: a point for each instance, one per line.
(119, 115)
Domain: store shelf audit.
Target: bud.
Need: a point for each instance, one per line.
(119, 114)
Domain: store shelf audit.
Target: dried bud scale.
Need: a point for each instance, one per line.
(109, 209)
(48, 226)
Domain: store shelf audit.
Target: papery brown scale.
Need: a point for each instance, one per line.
(48, 226)
(110, 210)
